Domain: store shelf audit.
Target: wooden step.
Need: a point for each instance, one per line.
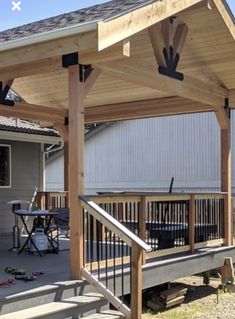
(108, 314)
(73, 306)
(43, 294)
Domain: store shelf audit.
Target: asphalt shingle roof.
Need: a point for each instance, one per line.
(104, 11)
(12, 124)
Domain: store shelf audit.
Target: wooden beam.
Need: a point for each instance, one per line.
(226, 182)
(222, 117)
(143, 109)
(91, 80)
(231, 96)
(180, 37)
(227, 15)
(63, 131)
(190, 88)
(12, 67)
(76, 169)
(66, 166)
(48, 49)
(34, 112)
(115, 30)
(158, 43)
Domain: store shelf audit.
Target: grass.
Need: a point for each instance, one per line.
(183, 312)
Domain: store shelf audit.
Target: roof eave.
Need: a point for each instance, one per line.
(50, 35)
(26, 137)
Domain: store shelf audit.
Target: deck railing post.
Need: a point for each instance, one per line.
(191, 223)
(142, 222)
(226, 181)
(136, 281)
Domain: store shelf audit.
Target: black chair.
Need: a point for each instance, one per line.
(59, 226)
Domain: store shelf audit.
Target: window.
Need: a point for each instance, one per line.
(5, 166)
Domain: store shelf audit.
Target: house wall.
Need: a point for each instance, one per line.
(25, 179)
(143, 155)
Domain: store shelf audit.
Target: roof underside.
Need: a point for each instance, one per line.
(208, 55)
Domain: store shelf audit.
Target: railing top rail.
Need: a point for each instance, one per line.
(161, 196)
(114, 225)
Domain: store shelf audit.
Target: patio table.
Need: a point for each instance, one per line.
(37, 215)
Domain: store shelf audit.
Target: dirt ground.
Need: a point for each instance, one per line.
(201, 302)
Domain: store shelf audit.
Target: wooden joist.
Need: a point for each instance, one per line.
(191, 88)
(143, 109)
(113, 31)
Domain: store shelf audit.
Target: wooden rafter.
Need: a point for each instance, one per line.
(190, 88)
(113, 31)
(143, 109)
(226, 14)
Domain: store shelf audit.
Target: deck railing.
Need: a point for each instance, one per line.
(169, 223)
(107, 242)
(49, 200)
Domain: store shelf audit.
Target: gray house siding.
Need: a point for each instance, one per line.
(25, 158)
(144, 154)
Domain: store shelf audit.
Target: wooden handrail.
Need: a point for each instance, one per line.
(113, 224)
(149, 197)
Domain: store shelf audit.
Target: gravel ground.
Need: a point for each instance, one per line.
(202, 302)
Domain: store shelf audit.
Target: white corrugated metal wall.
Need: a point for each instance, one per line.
(145, 154)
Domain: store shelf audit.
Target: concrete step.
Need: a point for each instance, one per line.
(108, 314)
(66, 308)
(41, 295)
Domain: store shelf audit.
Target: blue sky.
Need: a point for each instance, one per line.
(33, 10)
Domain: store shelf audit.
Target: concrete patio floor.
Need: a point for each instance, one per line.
(55, 266)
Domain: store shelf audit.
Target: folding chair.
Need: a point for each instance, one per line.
(59, 227)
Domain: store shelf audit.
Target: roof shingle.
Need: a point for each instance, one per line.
(12, 124)
(104, 11)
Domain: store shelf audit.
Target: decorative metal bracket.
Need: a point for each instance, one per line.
(171, 51)
(3, 94)
(73, 59)
(85, 71)
(172, 59)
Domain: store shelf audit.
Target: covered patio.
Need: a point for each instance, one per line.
(129, 60)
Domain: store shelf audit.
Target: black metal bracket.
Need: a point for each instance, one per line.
(85, 71)
(172, 59)
(226, 107)
(3, 94)
(70, 59)
(73, 59)
(66, 121)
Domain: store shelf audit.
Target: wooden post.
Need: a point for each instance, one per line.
(191, 223)
(76, 169)
(142, 222)
(136, 281)
(66, 164)
(226, 183)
